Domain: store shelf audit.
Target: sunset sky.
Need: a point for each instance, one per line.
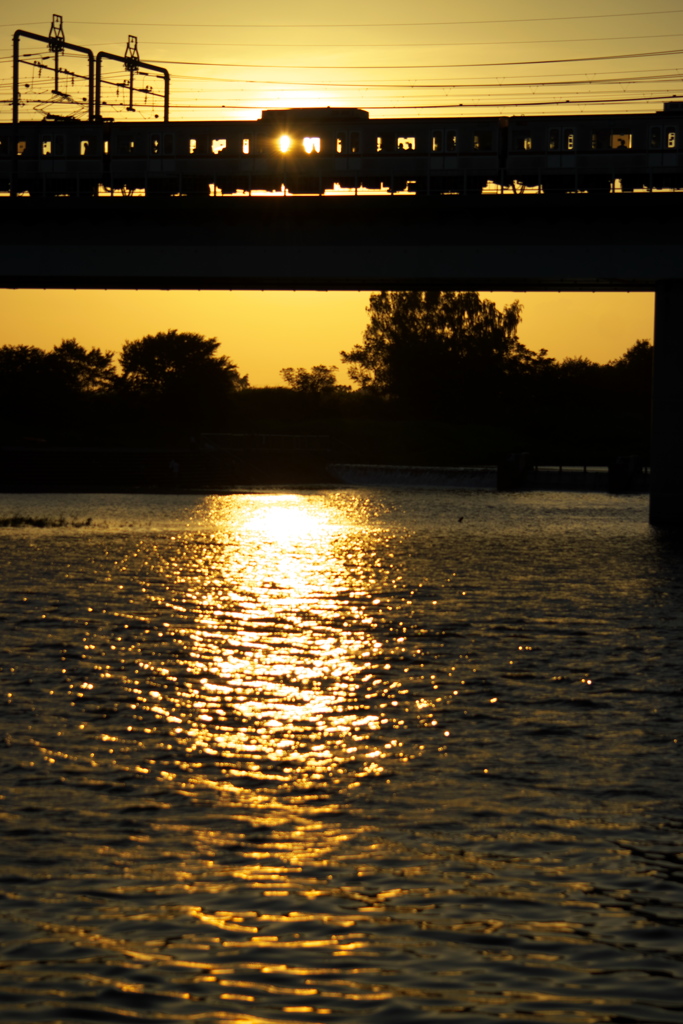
(392, 59)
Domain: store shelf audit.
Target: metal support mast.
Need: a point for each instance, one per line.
(57, 43)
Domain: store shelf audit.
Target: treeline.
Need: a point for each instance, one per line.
(439, 377)
(166, 387)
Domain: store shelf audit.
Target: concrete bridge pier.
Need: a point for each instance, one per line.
(666, 495)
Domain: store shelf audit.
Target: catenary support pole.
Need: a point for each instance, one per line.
(666, 496)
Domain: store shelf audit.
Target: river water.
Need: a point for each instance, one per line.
(363, 755)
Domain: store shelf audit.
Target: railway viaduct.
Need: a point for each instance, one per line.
(578, 242)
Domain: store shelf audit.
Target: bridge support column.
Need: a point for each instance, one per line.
(666, 496)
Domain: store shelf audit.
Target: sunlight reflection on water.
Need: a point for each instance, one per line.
(349, 755)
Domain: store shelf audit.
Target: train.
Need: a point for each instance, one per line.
(309, 151)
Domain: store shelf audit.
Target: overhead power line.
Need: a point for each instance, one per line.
(403, 46)
(386, 24)
(424, 67)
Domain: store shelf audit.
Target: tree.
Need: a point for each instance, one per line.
(165, 362)
(81, 372)
(25, 389)
(434, 349)
(179, 378)
(319, 380)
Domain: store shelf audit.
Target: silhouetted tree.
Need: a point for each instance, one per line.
(319, 380)
(80, 371)
(434, 350)
(25, 389)
(159, 363)
(178, 379)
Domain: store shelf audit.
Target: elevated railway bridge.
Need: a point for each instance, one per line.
(619, 242)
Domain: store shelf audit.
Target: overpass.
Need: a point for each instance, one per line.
(530, 242)
(582, 242)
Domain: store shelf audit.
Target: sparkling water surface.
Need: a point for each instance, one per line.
(348, 756)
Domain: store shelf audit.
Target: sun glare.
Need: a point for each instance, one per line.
(284, 142)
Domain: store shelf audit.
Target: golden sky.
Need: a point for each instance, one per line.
(230, 60)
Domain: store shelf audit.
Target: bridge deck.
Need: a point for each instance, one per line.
(583, 242)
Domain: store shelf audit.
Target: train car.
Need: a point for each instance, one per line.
(310, 150)
(594, 152)
(50, 158)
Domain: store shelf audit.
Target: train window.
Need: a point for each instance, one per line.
(554, 138)
(437, 142)
(218, 145)
(154, 145)
(620, 140)
(354, 142)
(245, 147)
(125, 146)
(451, 140)
(46, 147)
(405, 142)
(105, 147)
(311, 145)
(21, 147)
(670, 138)
(483, 140)
(655, 138)
(341, 143)
(521, 141)
(600, 139)
(84, 147)
(59, 145)
(569, 138)
(380, 143)
(168, 145)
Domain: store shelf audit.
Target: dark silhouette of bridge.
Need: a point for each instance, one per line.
(491, 242)
(578, 242)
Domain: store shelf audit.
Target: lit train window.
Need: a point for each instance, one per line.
(46, 147)
(105, 147)
(483, 140)
(84, 147)
(620, 141)
(437, 142)
(521, 142)
(569, 138)
(380, 143)
(192, 146)
(311, 145)
(670, 138)
(154, 145)
(245, 147)
(655, 138)
(341, 143)
(554, 138)
(218, 145)
(405, 142)
(21, 147)
(451, 141)
(354, 143)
